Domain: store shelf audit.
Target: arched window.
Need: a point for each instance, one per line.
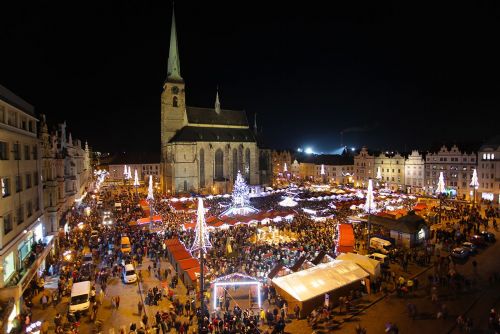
(240, 160)
(247, 162)
(235, 163)
(202, 168)
(185, 185)
(219, 164)
(174, 102)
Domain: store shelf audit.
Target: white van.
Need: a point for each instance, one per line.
(80, 293)
(129, 275)
(383, 259)
(381, 245)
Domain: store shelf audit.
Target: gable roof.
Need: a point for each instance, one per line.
(209, 134)
(411, 223)
(197, 115)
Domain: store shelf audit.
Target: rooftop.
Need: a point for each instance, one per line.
(14, 100)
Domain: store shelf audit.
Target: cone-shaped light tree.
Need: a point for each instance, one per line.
(379, 173)
(150, 189)
(125, 171)
(136, 179)
(201, 244)
(285, 168)
(441, 188)
(201, 239)
(475, 184)
(129, 173)
(369, 207)
(370, 201)
(441, 192)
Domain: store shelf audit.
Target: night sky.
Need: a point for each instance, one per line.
(390, 75)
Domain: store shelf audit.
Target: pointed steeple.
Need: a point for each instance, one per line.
(217, 103)
(174, 65)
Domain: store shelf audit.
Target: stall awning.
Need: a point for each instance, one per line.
(370, 265)
(321, 279)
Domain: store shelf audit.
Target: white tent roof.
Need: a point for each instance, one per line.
(316, 281)
(370, 265)
(288, 202)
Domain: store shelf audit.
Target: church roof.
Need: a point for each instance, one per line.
(197, 115)
(204, 134)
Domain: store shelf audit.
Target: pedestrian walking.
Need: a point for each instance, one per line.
(139, 308)
(117, 301)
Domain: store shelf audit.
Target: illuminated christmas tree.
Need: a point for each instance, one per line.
(201, 239)
(474, 182)
(370, 201)
(150, 189)
(136, 179)
(241, 196)
(441, 188)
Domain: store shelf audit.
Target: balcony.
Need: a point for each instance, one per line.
(31, 263)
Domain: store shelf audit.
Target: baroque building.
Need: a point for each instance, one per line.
(202, 149)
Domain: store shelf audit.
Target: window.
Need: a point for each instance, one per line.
(247, 162)
(28, 181)
(31, 127)
(4, 151)
(219, 164)
(7, 223)
(174, 102)
(12, 121)
(20, 214)
(26, 152)
(492, 156)
(202, 168)
(17, 154)
(29, 208)
(185, 186)
(19, 182)
(5, 186)
(24, 124)
(2, 114)
(235, 163)
(34, 152)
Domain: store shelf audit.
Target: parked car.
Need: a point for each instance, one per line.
(460, 253)
(478, 240)
(471, 248)
(488, 236)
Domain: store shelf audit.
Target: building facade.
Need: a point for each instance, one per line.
(281, 165)
(488, 172)
(41, 176)
(202, 149)
(392, 169)
(457, 168)
(415, 173)
(364, 168)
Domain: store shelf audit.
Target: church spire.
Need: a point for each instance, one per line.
(174, 65)
(217, 103)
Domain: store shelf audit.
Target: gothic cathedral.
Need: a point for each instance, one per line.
(202, 149)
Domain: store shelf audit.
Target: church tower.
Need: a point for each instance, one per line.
(173, 100)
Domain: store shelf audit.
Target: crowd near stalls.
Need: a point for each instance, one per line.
(119, 229)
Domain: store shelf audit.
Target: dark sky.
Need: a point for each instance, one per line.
(399, 75)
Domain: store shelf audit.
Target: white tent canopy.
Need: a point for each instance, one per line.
(370, 265)
(288, 202)
(321, 279)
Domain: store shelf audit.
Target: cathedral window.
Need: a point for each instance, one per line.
(202, 168)
(174, 102)
(247, 162)
(235, 163)
(219, 165)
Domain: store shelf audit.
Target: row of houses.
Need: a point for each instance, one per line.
(416, 172)
(42, 174)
